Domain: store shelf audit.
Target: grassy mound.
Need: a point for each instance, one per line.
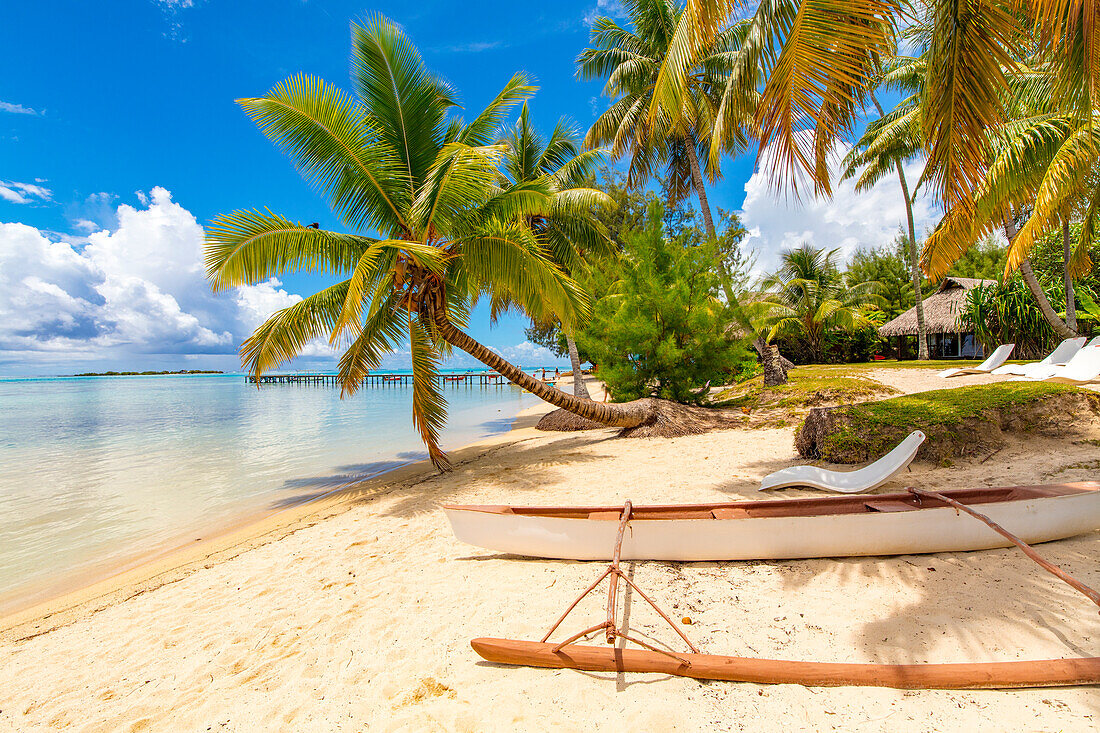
(958, 422)
(808, 387)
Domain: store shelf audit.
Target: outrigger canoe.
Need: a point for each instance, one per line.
(650, 658)
(835, 526)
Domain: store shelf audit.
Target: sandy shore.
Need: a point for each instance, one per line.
(357, 614)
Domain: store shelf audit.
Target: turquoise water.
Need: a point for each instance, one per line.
(93, 470)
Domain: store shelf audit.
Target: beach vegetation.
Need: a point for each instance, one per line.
(659, 327)
(808, 295)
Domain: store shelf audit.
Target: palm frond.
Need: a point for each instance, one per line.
(247, 247)
(337, 148)
(429, 404)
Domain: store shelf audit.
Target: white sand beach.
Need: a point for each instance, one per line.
(356, 614)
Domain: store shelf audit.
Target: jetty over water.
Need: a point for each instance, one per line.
(387, 380)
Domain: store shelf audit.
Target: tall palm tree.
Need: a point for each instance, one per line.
(822, 58)
(568, 230)
(808, 294)
(433, 223)
(679, 139)
(888, 142)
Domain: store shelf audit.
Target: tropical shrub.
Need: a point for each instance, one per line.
(658, 327)
(1005, 312)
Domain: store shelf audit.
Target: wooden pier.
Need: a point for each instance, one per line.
(380, 379)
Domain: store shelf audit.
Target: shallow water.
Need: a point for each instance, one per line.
(94, 469)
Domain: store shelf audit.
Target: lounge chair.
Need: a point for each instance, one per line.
(1061, 354)
(1083, 368)
(849, 482)
(997, 358)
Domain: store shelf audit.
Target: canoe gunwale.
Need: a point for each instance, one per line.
(797, 507)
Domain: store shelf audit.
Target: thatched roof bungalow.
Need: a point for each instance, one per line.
(947, 338)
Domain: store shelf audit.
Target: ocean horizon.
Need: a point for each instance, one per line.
(95, 471)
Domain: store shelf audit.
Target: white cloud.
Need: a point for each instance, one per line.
(23, 193)
(529, 354)
(135, 289)
(604, 8)
(475, 47)
(848, 220)
(17, 109)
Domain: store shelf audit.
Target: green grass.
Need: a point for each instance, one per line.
(807, 387)
(874, 427)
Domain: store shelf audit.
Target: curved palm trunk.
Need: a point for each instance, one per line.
(914, 261)
(774, 374)
(625, 415)
(1059, 326)
(580, 389)
(1071, 304)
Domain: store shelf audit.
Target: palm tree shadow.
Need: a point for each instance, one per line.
(530, 468)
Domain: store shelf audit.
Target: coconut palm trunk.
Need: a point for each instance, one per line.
(624, 415)
(914, 260)
(1060, 328)
(580, 389)
(774, 373)
(1067, 252)
(697, 182)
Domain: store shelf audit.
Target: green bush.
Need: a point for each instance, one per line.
(658, 327)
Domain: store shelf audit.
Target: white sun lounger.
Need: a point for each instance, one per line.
(849, 482)
(997, 358)
(1061, 354)
(1083, 368)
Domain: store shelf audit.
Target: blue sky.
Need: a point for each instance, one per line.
(119, 138)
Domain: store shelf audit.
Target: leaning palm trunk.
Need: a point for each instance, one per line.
(625, 415)
(580, 389)
(1060, 328)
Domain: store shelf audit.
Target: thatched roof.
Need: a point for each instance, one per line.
(941, 309)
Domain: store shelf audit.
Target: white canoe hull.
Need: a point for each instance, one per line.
(929, 530)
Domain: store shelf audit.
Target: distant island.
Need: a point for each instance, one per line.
(144, 374)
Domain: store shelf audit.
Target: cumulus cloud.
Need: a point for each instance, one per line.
(17, 109)
(17, 192)
(134, 289)
(847, 220)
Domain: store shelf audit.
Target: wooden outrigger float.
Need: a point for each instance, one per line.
(981, 675)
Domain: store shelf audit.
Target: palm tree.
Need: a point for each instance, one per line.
(809, 295)
(821, 59)
(449, 228)
(678, 139)
(681, 140)
(887, 143)
(568, 231)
